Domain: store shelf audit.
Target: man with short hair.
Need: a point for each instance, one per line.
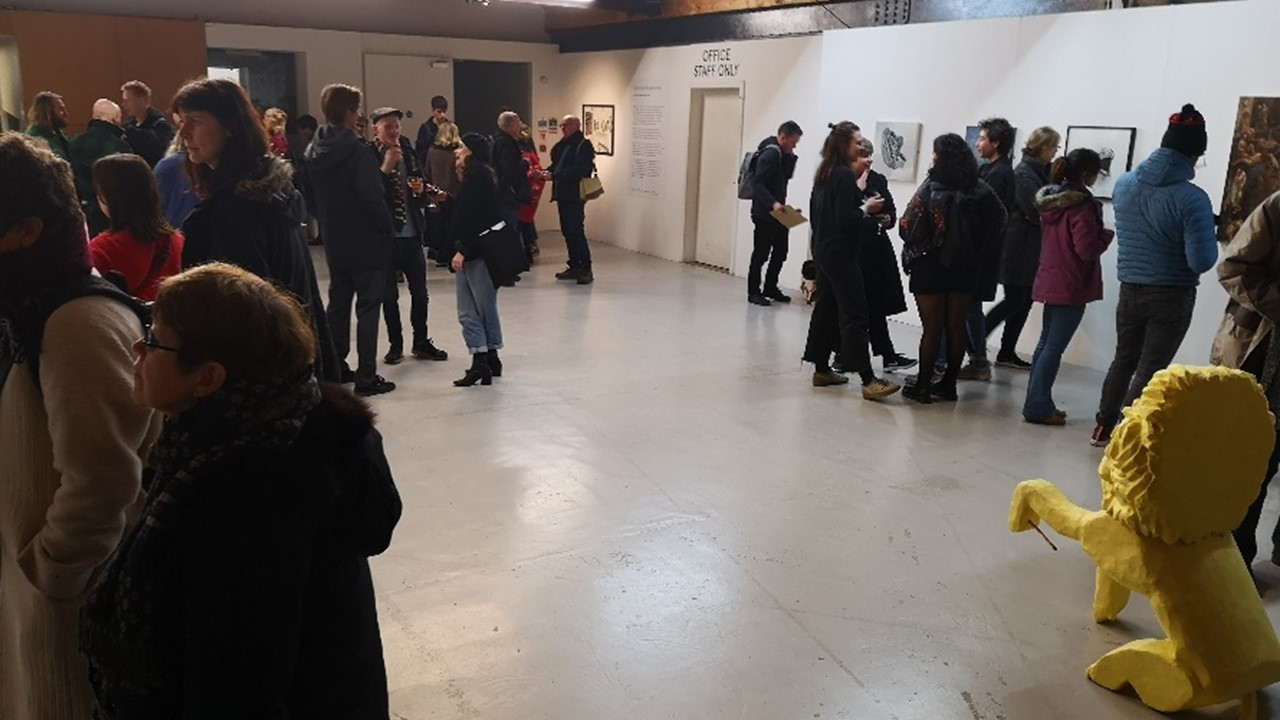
(428, 130)
(512, 169)
(1166, 238)
(103, 137)
(148, 131)
(573, 159)
(72, 438)
(47, 119)
(773, 166)
(404, 191)
(351, 205)
(995, 141)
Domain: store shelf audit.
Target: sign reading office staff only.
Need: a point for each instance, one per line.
(716, 63)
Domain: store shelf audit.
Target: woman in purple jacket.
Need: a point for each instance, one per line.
(1070, 274)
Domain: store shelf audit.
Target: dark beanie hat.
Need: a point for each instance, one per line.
(1186, 133)
(477, 144)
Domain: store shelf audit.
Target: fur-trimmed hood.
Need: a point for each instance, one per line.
(1061, 197)
(272, 184)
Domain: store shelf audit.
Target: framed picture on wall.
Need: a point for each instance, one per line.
(597, 127)
(1113, 144)
(1253, 172)
(898, 149)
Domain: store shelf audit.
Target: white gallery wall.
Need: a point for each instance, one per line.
(778, 80)
(1129, 68)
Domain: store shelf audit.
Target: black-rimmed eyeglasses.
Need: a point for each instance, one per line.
(149, 342)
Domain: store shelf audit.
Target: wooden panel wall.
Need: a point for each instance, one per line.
(85, 57)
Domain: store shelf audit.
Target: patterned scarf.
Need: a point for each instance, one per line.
(126, 627)
(399, 208)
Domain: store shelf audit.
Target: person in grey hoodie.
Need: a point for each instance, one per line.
(1166, 236)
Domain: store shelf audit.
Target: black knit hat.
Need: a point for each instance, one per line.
(1186, 132)
(477, 144)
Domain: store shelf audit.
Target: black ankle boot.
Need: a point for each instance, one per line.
(495, 365)
(479, 372)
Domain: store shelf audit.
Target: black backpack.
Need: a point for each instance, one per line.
(20, 341)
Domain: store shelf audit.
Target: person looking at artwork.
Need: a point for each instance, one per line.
(1021, 257)
(1247, 339)
(1166, 239)
(842, 224)
(1070, 273)
(995, 141)
(773, 166)
(947, 230)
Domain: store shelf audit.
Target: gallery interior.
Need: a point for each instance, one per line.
(653, 513)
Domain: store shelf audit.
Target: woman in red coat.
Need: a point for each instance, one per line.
(140, 248)
(1070, 274)
(528, 231)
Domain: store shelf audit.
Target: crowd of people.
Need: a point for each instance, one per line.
(190, 496)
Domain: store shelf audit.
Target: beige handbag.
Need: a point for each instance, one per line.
(590, 188)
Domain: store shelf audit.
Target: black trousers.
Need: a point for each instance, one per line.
(772, 241)
(1151, 322)
(878, 330)
(367, 287)
(1247, 534)
(573, 219)
(407, 258)
(839, 317)
(1012, 311)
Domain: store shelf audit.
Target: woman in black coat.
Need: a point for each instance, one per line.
(879, 262)
(840, 228)
(250, 213)
(244, 591)
(1021, 258)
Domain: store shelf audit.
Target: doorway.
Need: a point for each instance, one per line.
(483, 88)
(715, 140)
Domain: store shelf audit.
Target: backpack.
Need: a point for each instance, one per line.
(31, 332)
(747, 176)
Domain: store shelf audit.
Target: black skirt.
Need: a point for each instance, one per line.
(929, 277)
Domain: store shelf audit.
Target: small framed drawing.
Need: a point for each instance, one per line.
(597, 127)
(1113, 144)
(898, 148)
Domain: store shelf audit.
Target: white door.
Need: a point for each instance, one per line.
(718, 162)
(407, 82)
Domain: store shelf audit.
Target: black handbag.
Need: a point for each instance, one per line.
(503, 253)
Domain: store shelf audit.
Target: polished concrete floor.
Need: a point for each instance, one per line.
(654, 515)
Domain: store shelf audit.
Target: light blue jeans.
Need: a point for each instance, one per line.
(1060, 324)
(478, 308)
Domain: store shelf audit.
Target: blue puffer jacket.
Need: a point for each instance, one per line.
(1164, 224)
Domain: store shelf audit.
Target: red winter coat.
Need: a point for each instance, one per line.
(536, 183)
(136, 261)
(1073, 241)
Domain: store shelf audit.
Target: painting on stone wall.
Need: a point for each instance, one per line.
(597, 127)
(971, 134)
(1113, 144)
(1253, 172)
(898, 150)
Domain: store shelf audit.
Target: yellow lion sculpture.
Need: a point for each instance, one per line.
(1178, 476)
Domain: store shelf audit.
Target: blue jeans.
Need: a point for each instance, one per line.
(975, 321)
(478, 308)
(1060, 324)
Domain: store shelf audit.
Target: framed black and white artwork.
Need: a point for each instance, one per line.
(597, 127)
(898, 150)
(1113, 144)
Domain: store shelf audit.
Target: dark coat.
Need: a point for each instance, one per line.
(427, 133)
(1021, 258)
(98, 141)
(999, 177)
(351, 200)
(773, 170)
(878, 258)
(475, 210)
(840, 229)
(573, 160)
(259, 223)
(964, 252)
(414, 204)
(58, 141)
(270, 562)
(512, 171)
(152, 137)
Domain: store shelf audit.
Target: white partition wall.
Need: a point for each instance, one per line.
(1121, 68)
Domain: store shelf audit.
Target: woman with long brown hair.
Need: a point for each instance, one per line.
(250, 214)
(477, 212)
(946, 230)
(141, 247)
(841, 223)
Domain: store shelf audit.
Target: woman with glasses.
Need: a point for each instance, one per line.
(244, 590)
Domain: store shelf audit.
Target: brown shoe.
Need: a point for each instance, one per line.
(879, 389)
(1054, 420)
(826, 378)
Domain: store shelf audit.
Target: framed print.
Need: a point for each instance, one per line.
(1253, 171)
(597, 127)
(898, 149)
(1113, 144)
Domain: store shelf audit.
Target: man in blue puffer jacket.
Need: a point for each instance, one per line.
(1167, 239)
